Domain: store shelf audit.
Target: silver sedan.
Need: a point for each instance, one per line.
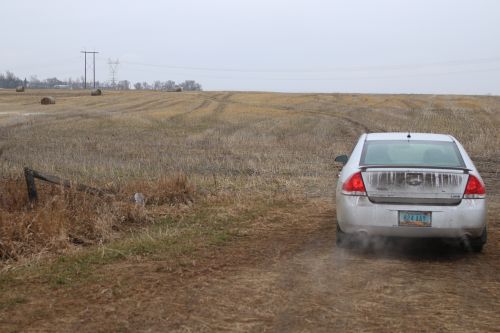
(413, 185)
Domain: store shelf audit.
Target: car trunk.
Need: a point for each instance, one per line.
(415, 185)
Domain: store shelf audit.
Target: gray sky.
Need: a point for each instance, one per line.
(383, 46)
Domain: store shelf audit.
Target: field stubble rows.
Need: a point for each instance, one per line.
(265, 160)
(253, 136)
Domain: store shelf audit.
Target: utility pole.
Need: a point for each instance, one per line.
(85, 70)
(85, 64)
(93, 54)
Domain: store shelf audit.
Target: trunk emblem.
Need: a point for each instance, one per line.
(414, 179)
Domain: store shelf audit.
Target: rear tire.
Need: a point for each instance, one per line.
(341, 237)
(478, 248)
(477, 244)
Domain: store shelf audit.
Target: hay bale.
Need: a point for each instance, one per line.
(48, 100)
(96, 92)
(20, 89)
(175, 89)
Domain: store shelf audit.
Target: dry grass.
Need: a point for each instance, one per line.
(265, 176)
(163, 191)
(63, 218)
(239, 143)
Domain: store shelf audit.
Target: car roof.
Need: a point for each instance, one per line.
(413, 136)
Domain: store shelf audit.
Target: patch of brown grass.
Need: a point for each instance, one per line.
(166, 190)
(65, 217)
(12, 198)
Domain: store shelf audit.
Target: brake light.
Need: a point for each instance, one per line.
(474, 189)
(354, 185)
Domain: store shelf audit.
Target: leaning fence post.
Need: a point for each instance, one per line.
(30, 183)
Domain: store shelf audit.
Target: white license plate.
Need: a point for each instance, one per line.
(415, 219)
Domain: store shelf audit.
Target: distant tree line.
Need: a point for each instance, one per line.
(10, 81)
(188, 85)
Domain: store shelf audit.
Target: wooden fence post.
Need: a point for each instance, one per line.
(30, 183)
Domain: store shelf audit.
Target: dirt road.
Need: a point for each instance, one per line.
(321, 288)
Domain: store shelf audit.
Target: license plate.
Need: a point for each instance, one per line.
(415, 219)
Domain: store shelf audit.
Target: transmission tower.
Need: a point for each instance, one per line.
(93, 67)
(113, 68)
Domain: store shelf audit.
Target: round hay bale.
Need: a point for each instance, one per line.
(96, 92)
(175, 89)
(20, 89)
(48, 100)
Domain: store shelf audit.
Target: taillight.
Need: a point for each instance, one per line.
(475, 188)
(354, 185)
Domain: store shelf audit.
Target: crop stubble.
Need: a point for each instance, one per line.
(285, 274)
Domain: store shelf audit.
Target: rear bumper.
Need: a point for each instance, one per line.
(357, 214)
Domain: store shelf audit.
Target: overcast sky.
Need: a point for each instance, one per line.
(413, 46)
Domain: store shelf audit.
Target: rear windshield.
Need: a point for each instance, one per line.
(412, 153)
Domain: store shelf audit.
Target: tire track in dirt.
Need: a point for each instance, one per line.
(149, 104)
(136, 111)
(355, 123)
(223, 102)
(204, 104)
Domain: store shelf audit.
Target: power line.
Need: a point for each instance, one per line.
(366, 77)
(331, 69)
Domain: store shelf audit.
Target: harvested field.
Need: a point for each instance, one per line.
(250, 246)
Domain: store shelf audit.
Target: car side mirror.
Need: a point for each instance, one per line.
(341, 159)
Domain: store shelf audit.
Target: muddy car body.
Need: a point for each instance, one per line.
(411, 185)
